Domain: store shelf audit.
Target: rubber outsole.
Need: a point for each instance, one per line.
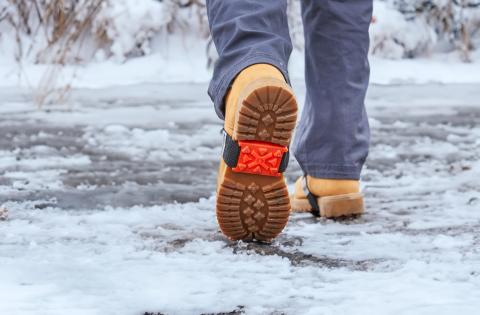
(333, 206)
(251, 206)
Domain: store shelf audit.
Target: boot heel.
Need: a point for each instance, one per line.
(341, 205)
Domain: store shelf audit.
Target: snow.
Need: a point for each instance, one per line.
(111, 203)
(394, 37)
(183, 60)
(185, 67)
(179, 62)
(107, 199)
(125, 35)
(437, 69)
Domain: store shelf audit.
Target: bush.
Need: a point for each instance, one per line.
(77, 31)
(411, 28)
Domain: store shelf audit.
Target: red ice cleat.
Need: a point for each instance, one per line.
(260, 158)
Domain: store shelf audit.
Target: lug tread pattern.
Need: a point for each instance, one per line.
(268, 114)
(250, 216)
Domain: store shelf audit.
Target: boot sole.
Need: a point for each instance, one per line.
(333, 206)
(251, 206)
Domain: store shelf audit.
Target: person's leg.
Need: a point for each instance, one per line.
(332, 138)
(246, 32)
(250, 91)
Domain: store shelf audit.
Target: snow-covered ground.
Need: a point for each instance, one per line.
(111, 211)
(182, 64)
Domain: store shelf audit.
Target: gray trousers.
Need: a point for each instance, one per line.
(332, 137)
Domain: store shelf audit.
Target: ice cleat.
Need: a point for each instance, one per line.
(252, 197)
(330, 198)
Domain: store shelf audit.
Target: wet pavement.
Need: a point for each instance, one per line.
(145, 146)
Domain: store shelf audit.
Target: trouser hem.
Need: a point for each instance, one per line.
(332, 171)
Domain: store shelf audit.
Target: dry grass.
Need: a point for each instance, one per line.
(59, 22)
(64, 25)
(452, 22)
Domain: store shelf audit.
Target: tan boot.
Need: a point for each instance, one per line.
(329, 198)
(260, 115)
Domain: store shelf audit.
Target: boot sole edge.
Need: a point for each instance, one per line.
(332, 206)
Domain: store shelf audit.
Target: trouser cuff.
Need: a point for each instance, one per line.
(332, 171)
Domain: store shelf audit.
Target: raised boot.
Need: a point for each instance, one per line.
(260, 116)
(328, 198)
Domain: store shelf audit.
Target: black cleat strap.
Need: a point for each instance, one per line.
(284, 163)
(312, 199)
(231, 150)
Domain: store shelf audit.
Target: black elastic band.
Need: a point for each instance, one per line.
(312, 199)
(231, 150)
(284, 163)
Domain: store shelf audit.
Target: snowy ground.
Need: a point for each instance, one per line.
(176, 64)
(111, 211)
